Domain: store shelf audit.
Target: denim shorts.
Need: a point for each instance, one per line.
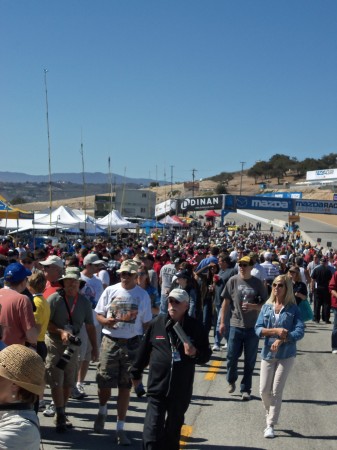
(115, 361)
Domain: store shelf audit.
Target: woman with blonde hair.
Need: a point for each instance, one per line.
(281, 326)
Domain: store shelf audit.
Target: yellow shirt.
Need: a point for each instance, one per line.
(41, 315)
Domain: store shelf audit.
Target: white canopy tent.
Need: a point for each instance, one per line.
(62, 217)
(114, 221)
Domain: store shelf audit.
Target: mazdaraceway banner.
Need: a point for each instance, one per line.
(316, 206)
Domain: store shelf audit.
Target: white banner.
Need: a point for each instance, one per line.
(323, 174)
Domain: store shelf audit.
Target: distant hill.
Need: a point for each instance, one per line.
(76, 178)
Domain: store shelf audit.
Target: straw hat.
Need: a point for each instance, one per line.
(24, 367)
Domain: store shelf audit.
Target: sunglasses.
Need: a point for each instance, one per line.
(141, 273)
(125, 274)
(279, 285)
(173, 301)
(243, 265)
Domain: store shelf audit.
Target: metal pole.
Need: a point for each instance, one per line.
(84, 189)
(49, 152)
(242, 164)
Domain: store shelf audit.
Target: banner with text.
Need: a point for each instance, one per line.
(200, 203)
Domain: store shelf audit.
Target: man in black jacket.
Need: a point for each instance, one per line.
(171, 372)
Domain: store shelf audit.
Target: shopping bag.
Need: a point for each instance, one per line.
(306, 311)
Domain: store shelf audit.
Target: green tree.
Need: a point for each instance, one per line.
(220, 189)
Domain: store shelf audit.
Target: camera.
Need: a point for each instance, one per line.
(74, 341)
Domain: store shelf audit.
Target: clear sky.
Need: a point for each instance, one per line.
(193, 84)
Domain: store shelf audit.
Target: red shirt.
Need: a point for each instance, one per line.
(16, 316)
(51, 288)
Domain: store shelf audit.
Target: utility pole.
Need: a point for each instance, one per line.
(49, 152)
(242, 164)
(171, 180)
(193, 177)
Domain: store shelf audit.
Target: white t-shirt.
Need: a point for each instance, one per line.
(103, 275)
(92, 289)
(132, 307)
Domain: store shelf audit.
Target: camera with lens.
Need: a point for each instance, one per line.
(74, 341)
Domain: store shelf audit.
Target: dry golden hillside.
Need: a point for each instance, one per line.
(206, 187)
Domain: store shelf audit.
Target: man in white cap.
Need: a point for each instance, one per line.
(271, 270)
(123, 310)
(53, 270)
(171, 373)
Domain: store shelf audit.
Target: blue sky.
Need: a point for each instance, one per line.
(185, 83)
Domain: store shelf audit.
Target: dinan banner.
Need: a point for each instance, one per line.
(200, 203)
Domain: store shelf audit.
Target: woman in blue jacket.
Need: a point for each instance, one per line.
(281, 326)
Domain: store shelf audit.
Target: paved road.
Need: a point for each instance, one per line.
(314, 228)
(217, 420)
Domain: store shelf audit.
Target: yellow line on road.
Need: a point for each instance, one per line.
(186, 432)
(213, 370)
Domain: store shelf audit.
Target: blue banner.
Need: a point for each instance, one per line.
(234, 202)
(316, 206)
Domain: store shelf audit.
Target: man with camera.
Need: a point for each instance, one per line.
(68, 311)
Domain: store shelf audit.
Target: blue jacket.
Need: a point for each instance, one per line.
(290, 319)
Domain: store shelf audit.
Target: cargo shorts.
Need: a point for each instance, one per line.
(56, 377)
(115, 361)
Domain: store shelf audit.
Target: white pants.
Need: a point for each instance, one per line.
(273, 376)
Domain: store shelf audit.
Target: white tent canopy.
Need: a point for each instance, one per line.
(114, 221)
(62, 217)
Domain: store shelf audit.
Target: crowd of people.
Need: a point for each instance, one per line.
(154, 301)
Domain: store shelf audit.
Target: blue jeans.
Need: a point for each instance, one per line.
(242, 339)
(217, 336)
(334, 330)
(163, 304)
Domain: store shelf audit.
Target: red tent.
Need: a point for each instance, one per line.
(212, 213)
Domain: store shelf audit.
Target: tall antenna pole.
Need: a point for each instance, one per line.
(242, 164)
(123, 193)
(110, 179)
(84, 188)
(49, 153)
(193, 177)
(171, 180)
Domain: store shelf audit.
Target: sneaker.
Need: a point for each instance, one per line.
(231, 388)
(224, 347)
(99, 423)
(49, 411)
(80, 388)
(245, 396)
(215, 348)
(61, 423)
(334, 352)
(122, 438)
(269, 433)
(42, 405)
(76, 394)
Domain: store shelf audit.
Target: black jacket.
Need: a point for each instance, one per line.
(166, 377)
